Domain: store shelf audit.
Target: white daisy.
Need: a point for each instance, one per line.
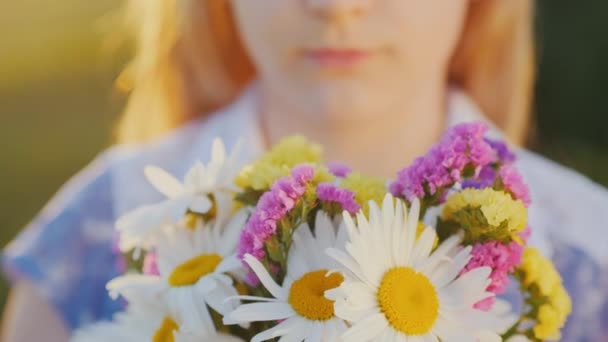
(498, 320)
(146, 319)
(300, 304)
(193, 272)
(395, 289)
(125, 330)
(518, 338)
(502, 316)
(205, 188)
(138, 326)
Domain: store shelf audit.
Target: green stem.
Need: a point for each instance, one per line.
(512, 330)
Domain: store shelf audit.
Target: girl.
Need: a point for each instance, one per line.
(375, 81)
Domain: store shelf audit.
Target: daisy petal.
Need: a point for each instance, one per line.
(228, 264)
(315, 333)
(200, 204)
(265, 278)
(231, 232)
(252, 298)
(423, 246)
(458, 263)
(195, 176)
(441, 254)
(217, 299)
(285, 328)
(134, 285)
(164, 182)
(366, 329)
(346, 260)
(469, 288)
(257, 312)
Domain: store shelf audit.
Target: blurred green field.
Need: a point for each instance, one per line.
(57, 105)
(56, 102)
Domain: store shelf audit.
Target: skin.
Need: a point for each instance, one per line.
(392, 100)
(29, 317)
(375, 112)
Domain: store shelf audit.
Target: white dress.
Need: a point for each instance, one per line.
(569, 217)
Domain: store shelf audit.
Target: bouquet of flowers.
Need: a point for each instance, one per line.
(290, 248)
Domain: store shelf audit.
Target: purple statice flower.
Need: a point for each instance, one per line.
(327, 192)
(303, 174)
(502, 259)
(463, 146)
(411, 180)
(485, 179)
(273, 205)
(505, 155)
(339, 169)
(508, 173)
(150, 266)
(514, 183)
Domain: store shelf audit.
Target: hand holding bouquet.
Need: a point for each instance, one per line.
(292, 249)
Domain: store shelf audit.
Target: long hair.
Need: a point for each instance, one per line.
(190, 61)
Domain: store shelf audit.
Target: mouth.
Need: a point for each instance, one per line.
(337, 58)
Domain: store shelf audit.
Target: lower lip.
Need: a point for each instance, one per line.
(337, 59)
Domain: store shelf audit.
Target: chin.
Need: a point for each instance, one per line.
(343, 102)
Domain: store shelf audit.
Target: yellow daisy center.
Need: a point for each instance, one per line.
(307, 295)
(241, 289)
(165, 332)
(191, 219)
(408, 300)
(192, 270)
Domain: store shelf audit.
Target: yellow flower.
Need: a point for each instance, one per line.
(322, 174)
(550, 278)
(278, 162)
(561, 301)
(365, 188)
(260, 175)
(497, 207)
(540, 272)
(530, 265)
(548, 324)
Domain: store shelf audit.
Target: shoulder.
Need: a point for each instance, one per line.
(83, 202)
(80, 210)
(566, 206)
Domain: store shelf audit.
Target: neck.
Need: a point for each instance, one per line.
(378, 146)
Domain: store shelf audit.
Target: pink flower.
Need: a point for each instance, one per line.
(485, 304)
(463, 146)
(513, 182)
(150, 266)
(505, 155)
(501, 258)
(345, 198)
(338, 169)
(274, 205)
(525, 234)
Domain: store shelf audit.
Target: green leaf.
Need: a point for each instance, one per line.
(249, 197)
(274, 250)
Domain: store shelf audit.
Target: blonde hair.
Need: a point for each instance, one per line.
(190, 61)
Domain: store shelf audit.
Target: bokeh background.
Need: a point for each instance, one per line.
(58, 61)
